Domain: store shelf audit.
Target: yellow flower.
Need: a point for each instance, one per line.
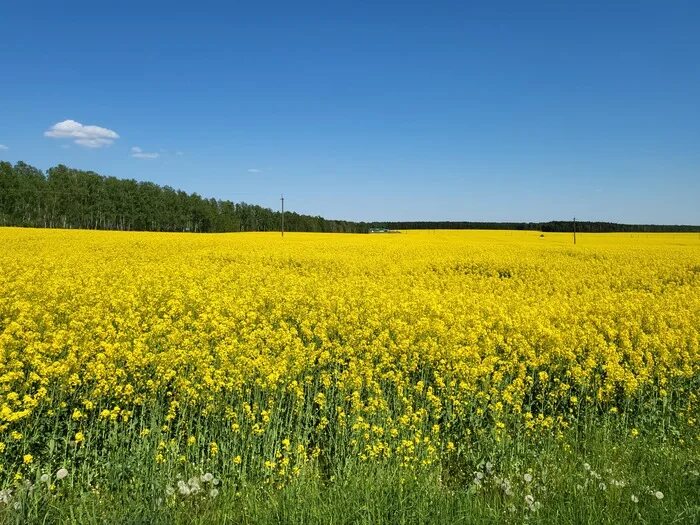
(27, 459)
(391, 342)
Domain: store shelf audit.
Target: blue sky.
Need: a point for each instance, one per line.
(369, 110)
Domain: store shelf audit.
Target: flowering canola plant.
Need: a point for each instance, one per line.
(266, 353)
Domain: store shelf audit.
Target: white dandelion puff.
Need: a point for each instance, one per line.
(214, 493)
(44, 478)
(207, 477)
(634, 499)
(194, 486)
(61, 473)
(527, 477)
(529, 499)
(507, 488)
(184, 488)
(5, 495)
(586, 466)
(659, 495)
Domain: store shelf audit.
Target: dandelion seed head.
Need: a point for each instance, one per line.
(5, 495)
(183, 487)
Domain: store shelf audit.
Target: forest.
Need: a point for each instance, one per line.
(550, 226)
(69, 198)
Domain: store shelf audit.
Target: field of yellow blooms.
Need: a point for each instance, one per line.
(257, 357)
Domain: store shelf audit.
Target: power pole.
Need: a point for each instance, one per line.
(574, 230)
(282, 199)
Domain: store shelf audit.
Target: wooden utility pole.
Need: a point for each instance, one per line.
(282, 199)
(574, 230)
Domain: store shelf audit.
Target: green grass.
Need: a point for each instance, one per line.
(128, 489)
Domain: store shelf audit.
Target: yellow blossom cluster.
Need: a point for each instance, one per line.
(355, 346)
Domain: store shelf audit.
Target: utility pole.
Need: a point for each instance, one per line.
(282, 199)
(574, 230)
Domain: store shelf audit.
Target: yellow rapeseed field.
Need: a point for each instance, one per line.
(264, 353)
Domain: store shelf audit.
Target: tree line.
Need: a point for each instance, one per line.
(68, 198)
(551, 226)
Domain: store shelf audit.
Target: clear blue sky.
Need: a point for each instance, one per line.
(369, 110)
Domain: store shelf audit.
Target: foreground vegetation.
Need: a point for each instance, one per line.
(425, 377)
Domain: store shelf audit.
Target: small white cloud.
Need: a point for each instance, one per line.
(179, 153)
(138, 153)
(87, 136)
(254, 170)
(3, 147)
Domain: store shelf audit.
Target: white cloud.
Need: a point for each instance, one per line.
(254, 170)
(179, 153)
(138, 153)
(87, 136)
(2, 146)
